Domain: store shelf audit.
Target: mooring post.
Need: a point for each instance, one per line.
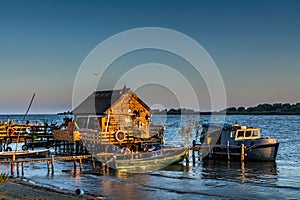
(242, 153)
(12, 170)
(48, 166)
(80, 164)
(187, 157)
(18, 170)
(93, 162)
(228, 151)
(193, 152)
(194, 144)
(52, 164)
(74, 161)
(22, 168)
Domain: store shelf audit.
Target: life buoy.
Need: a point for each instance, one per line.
(8, 149)
(120, 136)
(24, 147)
(9, 141)
(10, 131)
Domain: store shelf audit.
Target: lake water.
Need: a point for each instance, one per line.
(213, 180)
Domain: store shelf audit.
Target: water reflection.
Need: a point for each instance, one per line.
(250, 172)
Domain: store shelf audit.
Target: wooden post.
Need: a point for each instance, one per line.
(12, 170)
(228, 151)
(242, 153)
(193, 152)
(52, 164)
(74, 161)
(187, 157)
(48, 166)
(18, 169)
(80, 164)
(194, 144)
(93, 162)
(22, 168)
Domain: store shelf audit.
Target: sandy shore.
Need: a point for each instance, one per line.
(15, 189)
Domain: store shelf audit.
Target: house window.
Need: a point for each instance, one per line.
(81, 122)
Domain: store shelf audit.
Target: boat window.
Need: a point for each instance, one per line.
(232, 134)
(93, 124)
(248, 133)
(240, 134)
(255, 133)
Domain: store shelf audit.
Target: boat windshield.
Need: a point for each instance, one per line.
(247, 134)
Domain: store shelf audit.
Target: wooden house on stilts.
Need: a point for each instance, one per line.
(117, 117)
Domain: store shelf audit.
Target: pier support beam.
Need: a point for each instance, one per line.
(193, 152)
(74, 161)
(52, 164)
(228, 151)
(80, 164)
(12, 169)
(22, 168)
(187, 158)
(48, 166)
(93, 162)
(18, 170)
(242, 153)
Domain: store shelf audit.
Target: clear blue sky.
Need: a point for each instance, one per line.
(255, 44)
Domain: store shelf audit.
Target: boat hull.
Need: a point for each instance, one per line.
(258, 152)
(266, 152)
(147, 161)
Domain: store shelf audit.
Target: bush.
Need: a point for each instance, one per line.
(3, 177)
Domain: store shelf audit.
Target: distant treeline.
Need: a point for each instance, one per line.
(261, 109)
(271, 109)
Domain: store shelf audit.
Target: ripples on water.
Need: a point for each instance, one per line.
(211, 180)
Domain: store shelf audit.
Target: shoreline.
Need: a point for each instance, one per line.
(18, 188)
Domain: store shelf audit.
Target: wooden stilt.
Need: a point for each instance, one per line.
(194, 144)
(228, 151)
(22, 168)
(18, 170)
(93, 162)
(12, 170)
(52, 164)
(80, 164)
(242, 153)
(74, 161)
(187, 158)
(48, 166)
(193, 152)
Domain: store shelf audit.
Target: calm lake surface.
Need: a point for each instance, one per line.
(213, 180)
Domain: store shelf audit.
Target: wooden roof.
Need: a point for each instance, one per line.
(100, 101)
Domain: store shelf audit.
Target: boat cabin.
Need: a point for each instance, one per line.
(233, 134)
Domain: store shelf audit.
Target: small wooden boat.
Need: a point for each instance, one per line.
(144, 161)
(226, 142)
(25, 154)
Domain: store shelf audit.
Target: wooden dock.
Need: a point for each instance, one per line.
(50, 162)
(239, 152)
